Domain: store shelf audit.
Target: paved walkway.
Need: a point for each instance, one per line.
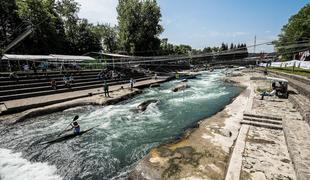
(268, 153)
(61, 97)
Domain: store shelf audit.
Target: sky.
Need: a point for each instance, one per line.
(202, 23)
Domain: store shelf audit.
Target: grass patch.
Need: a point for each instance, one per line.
(289, 70)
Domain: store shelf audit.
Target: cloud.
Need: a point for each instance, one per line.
(226, 34)
(102, 11)
(267, 31)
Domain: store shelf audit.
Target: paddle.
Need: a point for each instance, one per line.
(74, 119)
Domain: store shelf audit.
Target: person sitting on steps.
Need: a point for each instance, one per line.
(53, 84)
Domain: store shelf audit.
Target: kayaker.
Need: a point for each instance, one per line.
(75, 125)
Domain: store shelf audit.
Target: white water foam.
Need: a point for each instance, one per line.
(14, 167)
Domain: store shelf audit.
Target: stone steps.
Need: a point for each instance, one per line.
(262, 116)
(264, 125)
(302, 104)
(52, 76)
(264, 121)
(45, 83)
(268, 121)
(49, 92)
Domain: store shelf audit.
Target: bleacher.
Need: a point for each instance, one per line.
(32, 85)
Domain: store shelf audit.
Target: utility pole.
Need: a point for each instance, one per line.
(254, 44)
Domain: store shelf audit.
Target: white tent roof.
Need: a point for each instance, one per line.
(115, 55)
(71, 58)
(277, 79)
(52, 57)
(26, 57)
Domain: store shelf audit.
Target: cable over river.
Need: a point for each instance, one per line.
(122, 138)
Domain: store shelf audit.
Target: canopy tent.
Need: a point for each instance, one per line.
(26, 57)
(277, 79)
(52, 57)
(112, 55)
(15, 61)
(71, 58)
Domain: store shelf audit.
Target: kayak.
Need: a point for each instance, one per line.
(66, 137)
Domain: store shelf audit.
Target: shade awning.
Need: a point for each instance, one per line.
(51, 57)
(71, 58)
(276, 79)
(26, 57)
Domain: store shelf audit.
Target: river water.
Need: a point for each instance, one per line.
(122, 138)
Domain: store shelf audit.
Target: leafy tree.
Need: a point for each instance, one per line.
(231, 46)
(139, 26)
(68, 10)
(207, 50)
(108, 36)
(85, 39)
(295, 35)
(9, 22)
(48, 35)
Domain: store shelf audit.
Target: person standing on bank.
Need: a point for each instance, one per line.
(106, 89)
(131, 84)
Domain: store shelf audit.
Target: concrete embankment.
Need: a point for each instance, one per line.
(204, 152)
(249, 139)
(53, 103)
(301, 86)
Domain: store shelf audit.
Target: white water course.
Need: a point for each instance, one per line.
(123, 135)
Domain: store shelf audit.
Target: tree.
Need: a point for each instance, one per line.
(9, 22)
(231, 46)
(207, 50)
(48, 35)
(85, 39)
(108, 36)
(139, 26)
(68, 10)
(295, 35)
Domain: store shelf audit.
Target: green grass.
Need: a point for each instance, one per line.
(289, 70)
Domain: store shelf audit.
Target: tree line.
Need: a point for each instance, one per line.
(295, 35)
(58, 29)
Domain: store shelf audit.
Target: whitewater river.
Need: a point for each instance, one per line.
(122, 138)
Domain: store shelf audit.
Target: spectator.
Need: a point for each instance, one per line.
(131, 84)
(62, 68)
(26, 67)
(34, 68)
(70, 79)
(53, 84)
(100, 75)
(13, 76)
(66, 81)
(44, 68)
(106, 89)
(155, 76)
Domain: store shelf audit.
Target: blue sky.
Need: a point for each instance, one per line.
(202, 23)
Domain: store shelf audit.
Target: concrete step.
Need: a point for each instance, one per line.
(60, 85)
(42, 75)
(40, 84)
(262, 116)
(39, 72)
(48, 92)
(45, 79)
(268, 121)
(260, 124)
(302, 104)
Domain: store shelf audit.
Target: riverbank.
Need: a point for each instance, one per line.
(123, 136)
(38, 106)
(246, 140)
(203, 153)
